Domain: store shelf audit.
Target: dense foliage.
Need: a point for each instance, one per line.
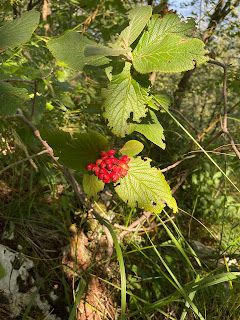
(104, 107)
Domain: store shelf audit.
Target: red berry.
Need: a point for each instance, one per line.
(109, 166)
(126, 167)
(100, 176)
(124, 172)
(98, 162)
(118, 174)
(89, 166)
(106, 178)
(103, 164)
(95, 167)
(103, 154)
(124, 158)
(115, 168)
(108, 160)
(114, 176)
(97, 171)
(120, 169)
(120, 163)
(103, 170)
(113, 160)
(111, 152)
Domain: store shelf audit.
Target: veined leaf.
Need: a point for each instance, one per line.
(98, 50)
(124, 96)
(18, 31)
(153, 130)
(92, 185)
(11, 98)
(132, 148)
(159, 28)
(138, 18)
(162, 99)
(78, 150)
(145, 186)
(69, 48)
(173, 54)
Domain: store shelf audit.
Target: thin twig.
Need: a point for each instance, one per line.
(138, 222)
(151, 227)
(184, 118)
(224, 124)
(34, 98)
(23, 160)
(17, 80)
(176, 163)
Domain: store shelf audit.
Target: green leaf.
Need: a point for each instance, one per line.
(97, 50)
(123, 97)
(164, 48)
(132, 148)
(145, 187)
(173, 54)
(153, 130)
(159, 28)
(92, 185)
(69, 48)
(18, 31)
(11, 98)
(78, 150)
(138, 18)
(162, 99)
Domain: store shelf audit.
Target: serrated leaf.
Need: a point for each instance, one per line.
(132, 148)
(78, 150)
(18, 31)
(11, 98)
(162, 99)
(145, 187)
(159, 28)
(138, 18)
(173, 54)
(98, 50)
(123, 97)
(92, 185)
(69, 48)
(153, 130)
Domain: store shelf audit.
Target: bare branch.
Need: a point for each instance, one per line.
(177, 163)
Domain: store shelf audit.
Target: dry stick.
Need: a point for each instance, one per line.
(145, 216)
(151, 227)
(68, 174)
(23, 160)
(224, 125)
(177, 163)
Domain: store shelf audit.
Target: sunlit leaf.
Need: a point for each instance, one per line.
(164, 47)
(69, 48)
(145, 187)
(152, 130)
(124, 97)
(138, 18)
(132, 148)
(92, 185)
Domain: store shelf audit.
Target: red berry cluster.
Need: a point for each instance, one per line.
(109, 168)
